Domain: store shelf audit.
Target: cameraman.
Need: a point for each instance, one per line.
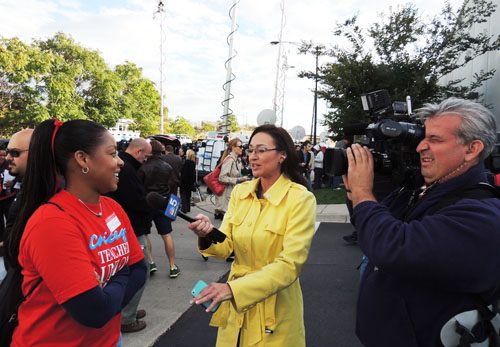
(426, 264)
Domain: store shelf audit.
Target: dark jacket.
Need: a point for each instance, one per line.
(175, 161)
(14, 208)
(300, 155)
(157, 176)
(422, 267)
(188, 176)
(131, 195)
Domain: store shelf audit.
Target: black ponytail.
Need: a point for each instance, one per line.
(44, 164)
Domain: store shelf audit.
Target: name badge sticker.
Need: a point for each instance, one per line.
(113, 222)
(173, 206)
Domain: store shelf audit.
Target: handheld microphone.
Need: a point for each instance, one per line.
(159, 202)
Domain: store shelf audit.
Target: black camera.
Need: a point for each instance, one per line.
(392, 138)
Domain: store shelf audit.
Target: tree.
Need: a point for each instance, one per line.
(59, 78)
(205, 127)
(232, 124)
(182, 126)
(22, 68)
(139, 99)
(409, 57)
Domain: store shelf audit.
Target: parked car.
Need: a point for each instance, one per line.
(167, 140)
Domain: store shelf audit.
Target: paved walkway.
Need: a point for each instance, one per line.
(166, 299)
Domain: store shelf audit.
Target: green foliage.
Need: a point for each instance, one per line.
(139, 99)
(182, 126)
(59, 78)
(232, 124)
(205, 127)
(409, 57)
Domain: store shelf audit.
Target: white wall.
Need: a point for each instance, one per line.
(489, 61)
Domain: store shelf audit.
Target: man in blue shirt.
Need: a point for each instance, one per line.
(426, 265)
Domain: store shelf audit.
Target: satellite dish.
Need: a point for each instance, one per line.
(266, 117)
(298, 133)
(323, 136)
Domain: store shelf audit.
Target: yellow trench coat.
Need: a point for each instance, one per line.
(271, 239)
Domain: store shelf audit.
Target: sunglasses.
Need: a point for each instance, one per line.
(14, 153)
(240, 146)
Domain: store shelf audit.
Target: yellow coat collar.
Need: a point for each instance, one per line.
(274, 194)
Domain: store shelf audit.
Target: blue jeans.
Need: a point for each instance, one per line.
(336, 181)
(3, 272)
(129, 312)
(362, 268)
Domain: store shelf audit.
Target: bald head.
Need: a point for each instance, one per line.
(18, 152)
(140, 149)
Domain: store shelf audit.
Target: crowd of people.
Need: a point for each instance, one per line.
(78, 223)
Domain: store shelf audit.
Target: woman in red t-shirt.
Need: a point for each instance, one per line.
(76, 245)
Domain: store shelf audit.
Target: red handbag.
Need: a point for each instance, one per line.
(212, 180)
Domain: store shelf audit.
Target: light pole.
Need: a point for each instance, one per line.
(161, 12)
(316, 51)
(284, 67)
(282, 96)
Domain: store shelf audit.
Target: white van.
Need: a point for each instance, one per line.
(212, 148)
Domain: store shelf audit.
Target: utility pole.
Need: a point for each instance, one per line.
(161, 12)
(317, 52)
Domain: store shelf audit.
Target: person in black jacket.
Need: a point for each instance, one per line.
(131, 195)
(158, 176)
(175, 161)
(188, 180)
(16, 159)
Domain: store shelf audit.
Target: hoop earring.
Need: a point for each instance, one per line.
(85, 170)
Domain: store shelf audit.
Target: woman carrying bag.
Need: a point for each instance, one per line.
(230, 173)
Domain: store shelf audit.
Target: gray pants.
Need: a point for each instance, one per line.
(129, 312)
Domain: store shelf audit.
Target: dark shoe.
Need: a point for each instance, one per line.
(140, 314)
(217, 215)
(230, 259)
(350, 239)
(138, 325)
(152, 268)
(174, 271)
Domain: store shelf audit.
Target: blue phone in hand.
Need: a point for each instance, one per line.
(197, 290)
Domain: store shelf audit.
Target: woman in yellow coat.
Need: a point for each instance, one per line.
(269, 225)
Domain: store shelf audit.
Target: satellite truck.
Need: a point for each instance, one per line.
(212, 148)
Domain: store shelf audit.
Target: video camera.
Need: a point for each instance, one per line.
(392, 138)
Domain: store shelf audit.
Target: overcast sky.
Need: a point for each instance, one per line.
(195, 47)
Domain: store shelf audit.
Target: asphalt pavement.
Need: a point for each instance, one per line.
(329, 283)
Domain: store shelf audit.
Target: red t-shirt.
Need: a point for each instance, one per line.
(67, 248)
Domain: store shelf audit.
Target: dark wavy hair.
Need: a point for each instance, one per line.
(40, 182)
(283, 142)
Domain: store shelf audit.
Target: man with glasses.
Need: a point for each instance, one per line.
(16, 158)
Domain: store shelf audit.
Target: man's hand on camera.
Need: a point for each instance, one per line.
(360, 174)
